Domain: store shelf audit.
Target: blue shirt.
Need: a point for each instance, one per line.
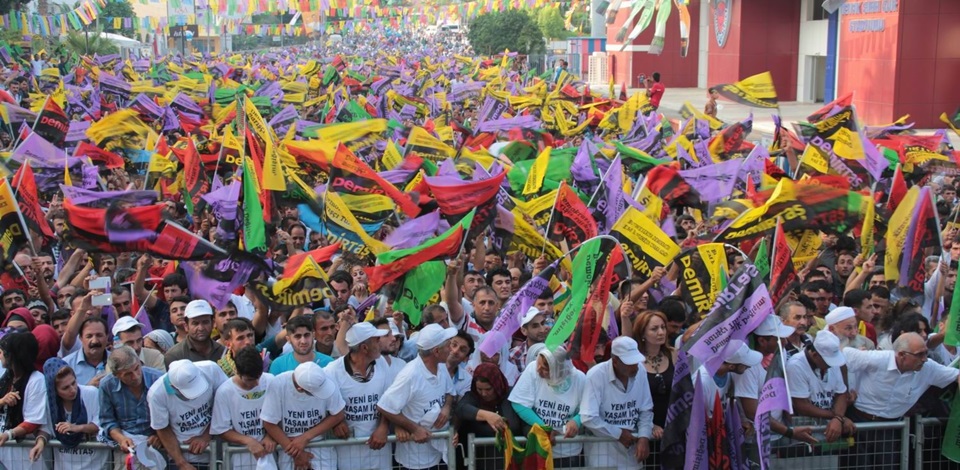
(84, 370)
(120, 409)
(287, 363)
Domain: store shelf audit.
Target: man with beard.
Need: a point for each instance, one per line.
(534, 328)
(106, 265)
(390, 346)
(794, 315)
(90, 362)
(46, 266)
(300, 336)
(361, 378)
(842, 321)
(198, 345)
(325, 330)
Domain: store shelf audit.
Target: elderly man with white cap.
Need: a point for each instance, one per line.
(198, 345)
(617, 404)
(181, 408)
(842, 321)
(534, 328)
(301, 406)
(129, 332)
(362, 376)
(420, 400)
(817, 391)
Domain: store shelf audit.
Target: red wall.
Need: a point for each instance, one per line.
(868, 64)
(929, 61)
(675, 71)
(764, 35)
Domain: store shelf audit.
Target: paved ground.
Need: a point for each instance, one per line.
(763, 126)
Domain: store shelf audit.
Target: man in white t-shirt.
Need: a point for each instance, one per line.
(420, 400)
(389, 346)
(817, 391)
(301, 406)
(361, 377)
(236, 410)
(181, 406)
(617, 404)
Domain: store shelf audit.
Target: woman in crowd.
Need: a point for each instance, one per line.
(23, 396)
(74, 412)
(650, 333)
(549, 395)
(484, 412)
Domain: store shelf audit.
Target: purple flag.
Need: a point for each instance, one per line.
(413, 232)
(223, 203)
(684, 156)
(774, 396)
(697, 446)
(286, 114)
(504, 124)
(713, 182)
(215, 281)
(144, 105)
(103, 199)
(738, 310)
(616, 201)
(77, 131)
(508, 322)
(732, 423)
(39, 151)
(753, 165)
(584, 177)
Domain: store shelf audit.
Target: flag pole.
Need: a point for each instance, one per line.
(27, 163)
(546, 234)
(604, 178)
(23, 223)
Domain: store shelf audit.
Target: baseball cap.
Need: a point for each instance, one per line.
(310, 377)
(746, 356)
(393, 328)
(187, 379)
(434, 335)
(198, 308)
(773, 326)
(125, 324)
(529, 316)
(839, 314)
(626, 349)
(827, 345)
(362, 331)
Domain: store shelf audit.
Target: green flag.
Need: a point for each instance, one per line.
(418, 286)
(951, 434)
(638, 159)
(394, 255)
(762, 259)
(584, 272)
(254, 234)
(952, 337)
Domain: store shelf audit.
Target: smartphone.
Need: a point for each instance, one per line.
(100, 283)
(103, 300)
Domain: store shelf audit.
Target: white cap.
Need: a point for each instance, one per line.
(530, 315)
(839, 314)
(198, 308)
(746, 356)
(393, 328)
(310, 377)
(187, 379)
(125, 324)
(827, 345)
(627, 350)
(773, 326)
(434, 335)
(362, 331)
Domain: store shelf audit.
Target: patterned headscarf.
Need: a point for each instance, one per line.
(55, 406)
(491, 374)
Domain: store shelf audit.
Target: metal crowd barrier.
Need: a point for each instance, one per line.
(881, 445)
(47, 460)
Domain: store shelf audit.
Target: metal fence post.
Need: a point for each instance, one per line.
(214, 464)
(905, 444)
(471, 453)
(451, 451)
(918, 444)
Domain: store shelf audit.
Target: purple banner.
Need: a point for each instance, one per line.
(508, 322)
(414, 232)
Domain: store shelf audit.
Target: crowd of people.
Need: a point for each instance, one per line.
(444, 303)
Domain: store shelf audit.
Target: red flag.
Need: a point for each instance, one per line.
(898, 189)
(593, 312)
(445, 245)
(25, 187)
(52, 123)
(351, 175)
(320, 255)
(783, 278)
(572, 220)
(666, 182)
(458, 199)
(623, 91)
(97, 154)
(718, 442)
(841, 102)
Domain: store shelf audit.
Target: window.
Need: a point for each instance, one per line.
(818, 12)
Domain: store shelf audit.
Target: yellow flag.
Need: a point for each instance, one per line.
(339, 213)
(391, 156)
(308, 268)
(537, 172)
(66, 173)
(897, 233)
